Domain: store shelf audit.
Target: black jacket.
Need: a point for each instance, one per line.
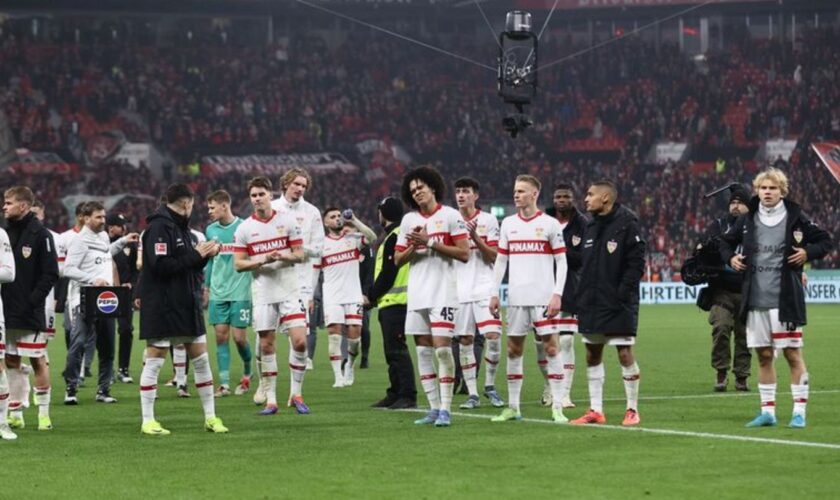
(725, 278)
(800, 232)
(613, 261)
(36, 265)
(126, 262)
(389, 270)
(171, 278)
(573, 239)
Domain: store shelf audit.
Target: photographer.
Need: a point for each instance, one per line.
(725, 293)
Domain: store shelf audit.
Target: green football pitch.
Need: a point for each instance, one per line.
(692, 442)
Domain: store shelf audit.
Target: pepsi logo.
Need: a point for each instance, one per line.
(107, 302)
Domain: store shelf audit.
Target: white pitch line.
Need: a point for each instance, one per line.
(700, 396)
(649, 430)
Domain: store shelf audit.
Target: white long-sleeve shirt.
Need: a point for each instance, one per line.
(311, 226)
(89, 258)
(7, 265)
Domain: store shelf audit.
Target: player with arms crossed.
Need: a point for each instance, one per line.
(531, 242)
(268, 245)
(432, 237)
(229, 294)
(343, 289)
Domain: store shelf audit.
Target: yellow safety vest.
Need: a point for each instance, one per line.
(398, 293)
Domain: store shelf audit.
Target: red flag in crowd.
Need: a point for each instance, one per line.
(830, 155)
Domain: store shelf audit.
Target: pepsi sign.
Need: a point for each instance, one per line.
(107, 302)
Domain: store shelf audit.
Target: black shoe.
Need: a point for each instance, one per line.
(364, 363)
(70, 397)
(403, 404)
(384, 403)
(741, 384)
(722, 381)
(105, 397)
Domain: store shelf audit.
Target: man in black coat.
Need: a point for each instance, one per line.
(573, 222)
(171, 303)
(607, 300)
(126, 262)
(776, 239)
(24, 303)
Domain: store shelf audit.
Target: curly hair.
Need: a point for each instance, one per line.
(429, 176)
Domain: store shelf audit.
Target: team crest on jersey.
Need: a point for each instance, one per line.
(575, 240)
(126, 251)
(281, 231)
(797, 236)
(611, 246)
(539, 232)
(160, 249)
(438, 224)
(26, 252)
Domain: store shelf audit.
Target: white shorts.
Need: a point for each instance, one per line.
(26, 343)
(173, 341)
(568, 322)
(765, 330)
(2, 341)
(521, 320)
(343, 314)
(600, 338)
(279, 316)
(437, 321)
(472, 315)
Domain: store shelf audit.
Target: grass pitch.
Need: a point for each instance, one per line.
(692, 442)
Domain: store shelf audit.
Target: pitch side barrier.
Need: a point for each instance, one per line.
(823, 288)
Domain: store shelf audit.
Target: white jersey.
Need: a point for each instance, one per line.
(50, 303)
(475, 277)
(340, 265)
(308, 218)
(431, 277)
(89, 258)
(61, 246)
(7, 266)
(530, 245)
(278, 281)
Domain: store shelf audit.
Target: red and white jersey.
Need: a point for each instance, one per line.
(530, 245)
(431, 277)
(340, 265)
(475, 277)
(278, 281)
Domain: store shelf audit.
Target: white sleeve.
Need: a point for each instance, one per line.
(118, 245)
(558, 248)
(7, 259)
(73, 265)
(314, 244)
(500, 266)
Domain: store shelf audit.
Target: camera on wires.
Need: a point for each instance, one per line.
(517, 75)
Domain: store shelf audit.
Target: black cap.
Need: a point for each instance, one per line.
(740, 193)
(391, 208)
(115, 220)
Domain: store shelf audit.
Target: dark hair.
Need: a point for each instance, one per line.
(467, 182)
(177, 192)
(219, 196)
(80, 208)
(429, 176)
(91, 207)
(259, 182)
(564, 186)
(331, 209)
(609, 185)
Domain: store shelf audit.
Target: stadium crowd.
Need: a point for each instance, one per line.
(596, 115)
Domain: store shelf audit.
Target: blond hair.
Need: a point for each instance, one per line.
(774, 175)
(293, 174)
(530, 179)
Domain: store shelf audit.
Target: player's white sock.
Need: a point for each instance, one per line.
(595, 377)
(204, 384)
(630, 374)
(148, 387)
(16, 392)
(268, 377)
(334, 351)
(555, 380)
(297, 364)
(767, 393)
(426, 368)
(446, 365)
(179, 360)
(4, 396)
(468, 368)
(567, 358)
(494, 354)
(800, 394)
(42, 401)
(542, 362)
(353, 351)
(514, 381)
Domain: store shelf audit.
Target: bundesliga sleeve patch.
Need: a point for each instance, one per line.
(160, 249)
